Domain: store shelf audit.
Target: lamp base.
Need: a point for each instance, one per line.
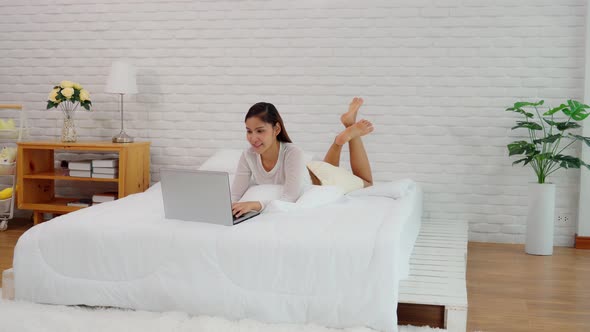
(122, 138)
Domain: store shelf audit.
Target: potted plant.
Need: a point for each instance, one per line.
(543, 151)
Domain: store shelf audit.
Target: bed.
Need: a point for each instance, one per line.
(337, 264)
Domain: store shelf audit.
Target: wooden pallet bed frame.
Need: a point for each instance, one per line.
(435, 293)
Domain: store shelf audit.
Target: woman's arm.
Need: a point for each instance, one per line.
(295, 180)
(241, 180)
(296, 175)
(239, 187)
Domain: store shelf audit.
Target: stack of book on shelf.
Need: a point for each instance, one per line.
(81, 168)
(105, 168)
(104, 197)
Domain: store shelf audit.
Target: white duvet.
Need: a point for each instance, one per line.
(336, 265)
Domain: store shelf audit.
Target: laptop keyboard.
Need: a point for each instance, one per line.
(245, 216)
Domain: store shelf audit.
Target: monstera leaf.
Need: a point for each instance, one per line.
(543, 149)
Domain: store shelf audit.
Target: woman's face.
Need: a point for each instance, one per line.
(261, 135)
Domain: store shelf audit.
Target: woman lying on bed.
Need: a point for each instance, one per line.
(274, 159)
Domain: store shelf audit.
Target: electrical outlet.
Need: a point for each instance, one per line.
(564, 219)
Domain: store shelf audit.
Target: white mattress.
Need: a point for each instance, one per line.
(337, 265)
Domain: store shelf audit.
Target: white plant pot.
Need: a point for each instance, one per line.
(540, 217)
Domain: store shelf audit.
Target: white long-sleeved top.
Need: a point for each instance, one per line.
(289, 171)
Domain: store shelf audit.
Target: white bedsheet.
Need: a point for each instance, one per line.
(337, 265)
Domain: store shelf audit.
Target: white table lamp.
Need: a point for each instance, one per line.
(122, 81)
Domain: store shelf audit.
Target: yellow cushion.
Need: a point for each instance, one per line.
(330, 175)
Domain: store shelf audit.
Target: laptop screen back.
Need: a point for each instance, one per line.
(196, 196)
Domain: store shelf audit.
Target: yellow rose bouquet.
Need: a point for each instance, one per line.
(68, 95)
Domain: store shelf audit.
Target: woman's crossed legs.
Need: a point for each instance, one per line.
(359, 162)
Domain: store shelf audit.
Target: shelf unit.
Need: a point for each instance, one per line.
(9, 137)
(36, 173)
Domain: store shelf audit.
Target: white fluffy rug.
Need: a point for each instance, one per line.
(24, 316)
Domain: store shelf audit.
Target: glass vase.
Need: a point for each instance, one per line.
(68, 131)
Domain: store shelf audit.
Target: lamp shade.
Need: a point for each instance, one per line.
(121, 79)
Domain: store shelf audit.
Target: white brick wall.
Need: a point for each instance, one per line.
(436, 76)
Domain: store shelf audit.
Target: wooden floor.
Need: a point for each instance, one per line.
(507, 289)
(511, 291)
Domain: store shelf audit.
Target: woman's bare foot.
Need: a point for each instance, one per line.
(361, 128)
(349, 118)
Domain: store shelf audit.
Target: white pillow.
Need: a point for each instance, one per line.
(319, 195)
(330, 175)
(225, 160)
(262, 192)
(313, 197)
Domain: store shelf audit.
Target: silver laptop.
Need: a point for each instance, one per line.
(199, 196)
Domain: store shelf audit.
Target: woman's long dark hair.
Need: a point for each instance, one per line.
(268, 113)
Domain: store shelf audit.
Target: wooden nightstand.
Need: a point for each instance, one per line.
(36, 173)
